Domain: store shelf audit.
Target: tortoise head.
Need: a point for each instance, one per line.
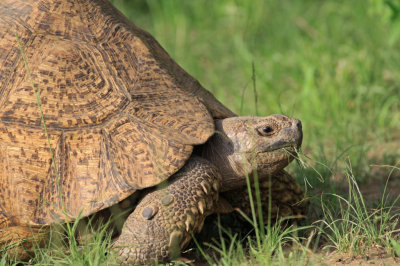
(242, 144)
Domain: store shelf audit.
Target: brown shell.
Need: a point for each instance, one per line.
(121, 114)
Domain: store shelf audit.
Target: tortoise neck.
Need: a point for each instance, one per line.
(220, 151)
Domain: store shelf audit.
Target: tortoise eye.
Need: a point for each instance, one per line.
(266, 131)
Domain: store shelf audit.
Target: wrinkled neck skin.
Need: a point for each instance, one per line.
(238, 149)
(220, 152)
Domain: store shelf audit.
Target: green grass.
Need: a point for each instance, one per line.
(328, 63)
(63, 247)
(358, 227)
(334, 65)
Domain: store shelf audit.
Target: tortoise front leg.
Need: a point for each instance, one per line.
(164, 220)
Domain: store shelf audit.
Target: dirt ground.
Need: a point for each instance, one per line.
(375, 256)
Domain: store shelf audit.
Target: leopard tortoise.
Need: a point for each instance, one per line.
(121, 117)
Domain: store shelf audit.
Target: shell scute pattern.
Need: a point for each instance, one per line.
(121, 114)
(75, 91)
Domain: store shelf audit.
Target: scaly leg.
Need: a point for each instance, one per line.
(165, 219)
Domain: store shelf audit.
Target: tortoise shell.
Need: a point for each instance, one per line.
(120, 113)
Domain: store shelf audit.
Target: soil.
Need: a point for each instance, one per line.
(375, 256)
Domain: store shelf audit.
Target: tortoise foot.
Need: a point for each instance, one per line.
(165, 219)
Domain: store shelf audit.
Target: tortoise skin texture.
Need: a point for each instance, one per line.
(170, 212)
(107, 88)
(121, 116)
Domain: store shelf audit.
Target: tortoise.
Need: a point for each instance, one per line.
(119, 116)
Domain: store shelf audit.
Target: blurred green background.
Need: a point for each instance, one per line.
(333, 64)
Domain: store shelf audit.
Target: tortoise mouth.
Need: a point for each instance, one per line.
(290, 146)
(290, 149)
(278, 156)
(276, 153)
(272, 161)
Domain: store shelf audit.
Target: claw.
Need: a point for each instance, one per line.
(174, 243)
(189, 223)
(201, 205)
(206, 187)
(215, 186)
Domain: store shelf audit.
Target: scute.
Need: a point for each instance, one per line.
(95, 169)
(121, 114)
(74, 84)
